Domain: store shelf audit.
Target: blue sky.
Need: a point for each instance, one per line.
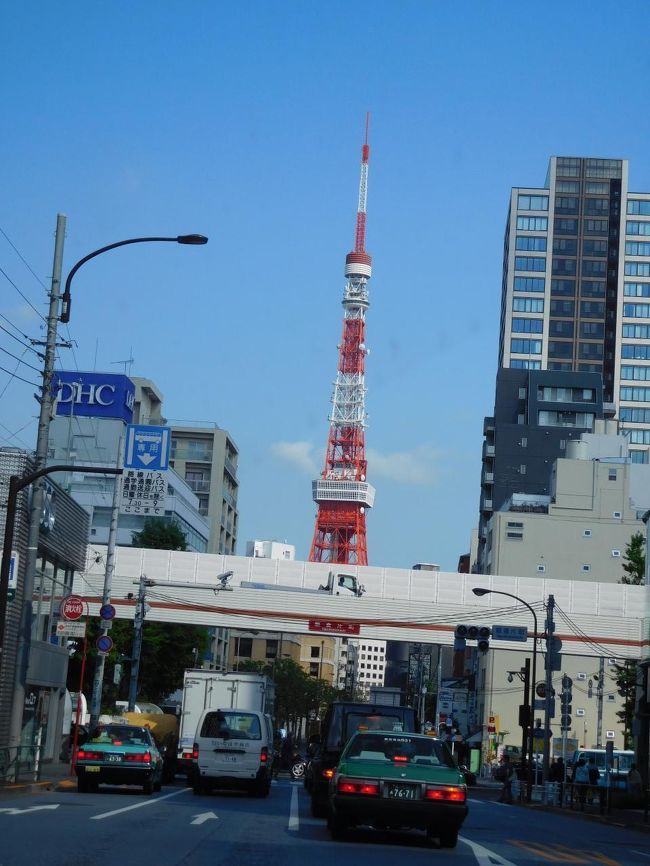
(244, 121)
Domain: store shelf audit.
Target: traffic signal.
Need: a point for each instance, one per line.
(479, 633)
(483, 639)
(566, 697)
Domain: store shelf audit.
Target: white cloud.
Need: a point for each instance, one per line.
(419, 466)
(297, 453)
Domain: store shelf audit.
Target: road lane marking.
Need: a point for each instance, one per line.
(14, 811)
(203, 817)
(485, 857)
(563, 854)
(138, 805)
(294, 820)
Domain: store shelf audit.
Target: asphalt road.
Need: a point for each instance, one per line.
(122, 827)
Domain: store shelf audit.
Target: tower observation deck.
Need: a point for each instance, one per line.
(342, 492)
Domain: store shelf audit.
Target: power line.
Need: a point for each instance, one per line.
(22, 258)
(14, 376)
(20, 361)
(22, 294)
(14, 337)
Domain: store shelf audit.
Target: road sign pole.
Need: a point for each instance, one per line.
(98, 682)
(138, 622)
(550, 628)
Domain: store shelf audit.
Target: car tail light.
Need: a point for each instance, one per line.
(327, 774)
(357, 786)
(400, 758)
(195, 752)
(139, 758)
(264, 755)
(85, 755)
(451, 794)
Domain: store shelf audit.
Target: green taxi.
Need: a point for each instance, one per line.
(392, 780)
(119, 754)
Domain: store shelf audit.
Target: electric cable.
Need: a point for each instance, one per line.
(14, 376)
(22, 294)
(20, 361)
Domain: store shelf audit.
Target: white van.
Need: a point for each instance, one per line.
(233, 749)
(620, 766)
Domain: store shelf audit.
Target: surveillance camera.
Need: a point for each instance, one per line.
(509, 678)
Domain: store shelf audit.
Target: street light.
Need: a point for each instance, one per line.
(480, 591)
(66, 299)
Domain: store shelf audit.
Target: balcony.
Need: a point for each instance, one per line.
(488, 478)
(488, 450)
(198, 486)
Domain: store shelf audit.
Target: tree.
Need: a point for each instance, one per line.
(167, 649)
(160, 533)
(626, 676)
(634, 560)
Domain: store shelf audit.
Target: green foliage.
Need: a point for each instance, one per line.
(625, 676)
(297, 694)
(634, 560)
(160, 533)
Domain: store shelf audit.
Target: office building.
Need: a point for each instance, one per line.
(270, 549)
(92, 411)
(206, 458)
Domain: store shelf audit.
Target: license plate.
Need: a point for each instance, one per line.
(113, 759)
(91, 769)
(401, 792)
(232, 758)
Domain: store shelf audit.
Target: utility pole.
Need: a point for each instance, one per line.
(138, 622)
(549, 698)
(98, 681)
(40, 458)
(599, 698)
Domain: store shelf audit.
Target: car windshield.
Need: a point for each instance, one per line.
(121, 735)
(409, 749)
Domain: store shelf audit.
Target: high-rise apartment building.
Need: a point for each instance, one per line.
(575, 305)
(206, 457)
(576, 284)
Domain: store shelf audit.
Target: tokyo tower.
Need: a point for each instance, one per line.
(342, 492)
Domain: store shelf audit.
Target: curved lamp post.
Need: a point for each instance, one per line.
(478, 590)
(65, 297)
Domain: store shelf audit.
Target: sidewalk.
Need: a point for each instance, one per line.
(54, 776)
(631, 819)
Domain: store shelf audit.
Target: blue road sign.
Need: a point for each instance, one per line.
(107, 611)
(509, 632)
(147, 447)
(104, 643)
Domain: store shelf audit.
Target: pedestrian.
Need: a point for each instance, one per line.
(634, 782)
(594, 776)
(504, 775)
(580, 781)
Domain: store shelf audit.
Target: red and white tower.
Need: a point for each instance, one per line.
(342, 492)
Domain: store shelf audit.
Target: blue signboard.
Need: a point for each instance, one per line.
(94, 395)
(510, 632)
(147, 447)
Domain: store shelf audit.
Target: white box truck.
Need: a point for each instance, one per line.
(205, 689)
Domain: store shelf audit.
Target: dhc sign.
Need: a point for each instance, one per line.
(95, 395)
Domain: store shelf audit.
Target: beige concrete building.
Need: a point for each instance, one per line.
(317, 655)
(580, 531)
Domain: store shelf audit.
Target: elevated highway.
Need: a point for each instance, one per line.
(592, 619)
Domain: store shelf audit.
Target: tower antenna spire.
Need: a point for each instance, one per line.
(342, 492)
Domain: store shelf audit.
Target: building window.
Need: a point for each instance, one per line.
(271, 649)
(527, 326)
(583, 420)
(565, 204)
(522, 469)
(593, 288)
(586, 567)
(529, 284)
(596, 227)
(637, 269)
(639, 437)
(315, 652)
(518, 536)
(526, 347)
(567, 186)
(637, 228)
(616, 553)
(616, 515)
(566, 288)
(564, 266)
(557, 349)
(638, 416)
(530, 243)
(314, 669)
(530, 263)
(639, 456)
(637, 248)
(541, 568)
(524, 364)
(637, 290)
(593, 268)
(527, 305)
(562, 308)
(636, 372)
(635, 395)
(566, 246)
(638, 332)
(533, 224)
(565, 227)
(535, 202)
(586, 533)
(638, 206)
(244, 647)
(592, 247)
(559, 328)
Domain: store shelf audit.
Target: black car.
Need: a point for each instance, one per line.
(342, 720)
